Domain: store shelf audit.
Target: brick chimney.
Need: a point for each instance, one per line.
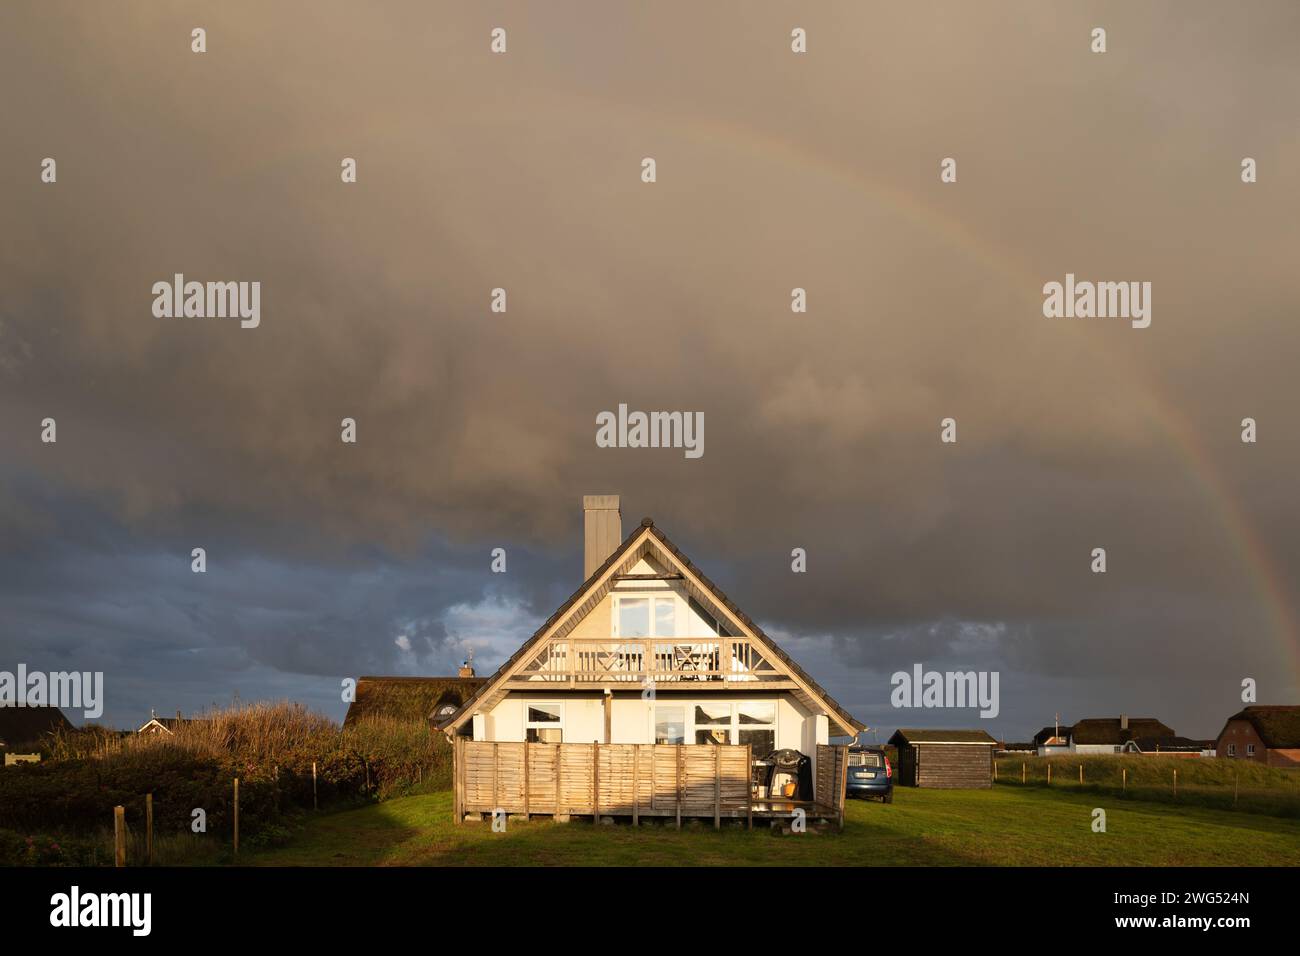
(466, 670)
(1123, 721)
(602, 530)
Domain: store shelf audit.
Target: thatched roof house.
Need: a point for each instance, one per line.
(411, 698)
(1263, 732)
(28, 726)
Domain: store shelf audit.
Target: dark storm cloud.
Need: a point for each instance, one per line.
(477, 429)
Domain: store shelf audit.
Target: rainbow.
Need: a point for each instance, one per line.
(1249, 550)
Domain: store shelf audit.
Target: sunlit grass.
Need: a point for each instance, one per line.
(1003, 826)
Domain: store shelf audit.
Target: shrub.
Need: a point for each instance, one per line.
(269, 747)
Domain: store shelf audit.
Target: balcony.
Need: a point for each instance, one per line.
(687, 661)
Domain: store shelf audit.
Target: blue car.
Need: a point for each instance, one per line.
(869, 774)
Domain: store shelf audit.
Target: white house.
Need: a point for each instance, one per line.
(649, 651)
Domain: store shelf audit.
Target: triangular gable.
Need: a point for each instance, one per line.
(647, 541)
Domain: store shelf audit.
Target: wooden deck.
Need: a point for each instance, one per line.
(679, 781)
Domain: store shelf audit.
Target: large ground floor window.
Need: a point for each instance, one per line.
(750, 723)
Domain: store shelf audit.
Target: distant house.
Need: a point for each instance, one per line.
(1108, 735)
(165, 726)
(1026, 749)
(25, 728)
(1052, 740)
(1169, 747)
(416, 699)
(1269, 734)
(944, 759)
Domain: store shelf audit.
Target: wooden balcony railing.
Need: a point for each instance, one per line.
(658, 659)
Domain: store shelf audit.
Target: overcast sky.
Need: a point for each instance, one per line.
(476, 430)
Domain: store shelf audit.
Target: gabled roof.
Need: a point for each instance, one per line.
(1278, 725)
(599, 583)
(408, 698)
(29, 725)
(169, 724)
(1106, 730)
(905, 736)
(1047, 733)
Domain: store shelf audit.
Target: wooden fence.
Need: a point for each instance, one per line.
(832, 778)
(628, 780)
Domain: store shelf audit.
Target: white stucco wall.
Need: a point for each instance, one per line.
(632, 718)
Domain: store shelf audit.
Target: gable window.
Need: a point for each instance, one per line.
(1250, 750)
(665, 617)
(636, 615)
(633, 617)
(1232, 750)
(670, 723)
(544, 723)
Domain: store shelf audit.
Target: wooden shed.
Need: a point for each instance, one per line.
(946, 759)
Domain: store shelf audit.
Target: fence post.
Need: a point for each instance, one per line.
(1125, 774)
(1175, 783)
(749, 786)
(119, 836)
(1234, 788)
(717, 787)
(236, 816)
(679, 786)
(1022, 773)
(1081, 775)
(148, 828)
(457, 790)
(595, 781)
(315, 802)
(842, 756)
(1049, 774)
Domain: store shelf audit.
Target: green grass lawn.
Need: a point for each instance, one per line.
(1004, 826)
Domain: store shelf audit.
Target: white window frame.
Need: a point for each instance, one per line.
(734, 726)
(687, 713)
(1250, 750)
(650, 598)
(544, 724)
